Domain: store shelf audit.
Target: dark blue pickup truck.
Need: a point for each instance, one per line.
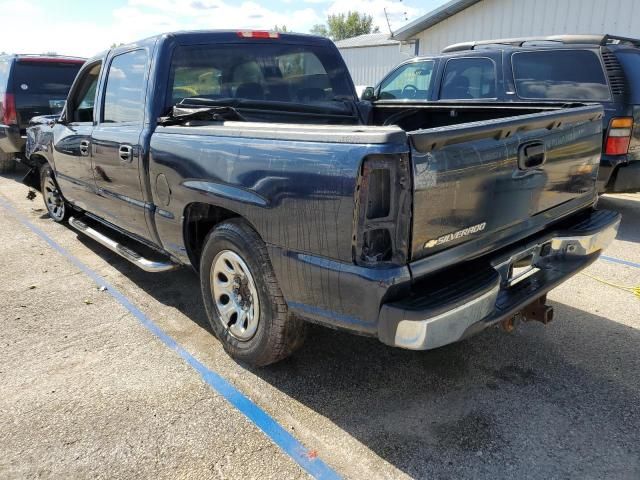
(248, 156)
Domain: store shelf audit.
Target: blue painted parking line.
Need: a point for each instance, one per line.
(620, 261)
(304, 457)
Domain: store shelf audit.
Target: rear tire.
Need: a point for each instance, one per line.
(244, 304)
(55, 203)
(8, 164)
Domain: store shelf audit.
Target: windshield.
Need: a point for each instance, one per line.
(52, 79)
(410, 81)
(299, 74)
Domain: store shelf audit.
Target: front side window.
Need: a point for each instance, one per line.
(469, 79)
(85, 96)
(559, 75)
(276, 72)
(410, 81)
(125, 91)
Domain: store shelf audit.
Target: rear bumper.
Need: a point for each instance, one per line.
(11, 141)
(452, 306)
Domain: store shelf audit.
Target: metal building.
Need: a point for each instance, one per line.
(370, 57)
(468, 20)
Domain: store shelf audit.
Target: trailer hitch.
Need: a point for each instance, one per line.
(538, 311)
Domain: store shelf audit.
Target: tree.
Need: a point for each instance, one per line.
(341, 26)
(281, 28)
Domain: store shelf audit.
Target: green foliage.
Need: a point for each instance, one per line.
(341, 26)
(281, 28)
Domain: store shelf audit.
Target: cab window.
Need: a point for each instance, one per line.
(468, 79)
(410, 81)
(125, 91)
(84, 100)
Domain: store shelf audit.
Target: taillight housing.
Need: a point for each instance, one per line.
(618, 136)
(383, 211)
(8, 114)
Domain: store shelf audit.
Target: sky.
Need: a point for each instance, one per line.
(86, 27)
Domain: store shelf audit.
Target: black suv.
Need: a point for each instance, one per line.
(550, 70)
(30, 85)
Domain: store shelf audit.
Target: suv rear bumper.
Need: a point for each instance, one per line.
(627, 178)
(452, 306)
(10, 139)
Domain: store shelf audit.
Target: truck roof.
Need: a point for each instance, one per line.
(46, 58)
(230, 35)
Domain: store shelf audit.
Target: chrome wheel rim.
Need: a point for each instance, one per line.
(235, 295)
(53, 199)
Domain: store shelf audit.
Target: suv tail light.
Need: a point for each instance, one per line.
(618, 136)
(8, 114)
(383, 211)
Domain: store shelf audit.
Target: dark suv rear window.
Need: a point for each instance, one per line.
(560, 75)
(52, 79)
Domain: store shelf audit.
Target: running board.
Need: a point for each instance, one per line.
(125, 252)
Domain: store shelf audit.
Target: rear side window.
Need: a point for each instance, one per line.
(412, 80)
(51, 79)
(630, 61)
(560, 75)
(469, 78)
(273, 72)
(5, 65)
(125, 92)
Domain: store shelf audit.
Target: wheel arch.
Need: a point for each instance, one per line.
(199, 219)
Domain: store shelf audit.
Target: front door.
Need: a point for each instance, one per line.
(117, 150)
(72, 140)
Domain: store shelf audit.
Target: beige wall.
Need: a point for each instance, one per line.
(522, 18)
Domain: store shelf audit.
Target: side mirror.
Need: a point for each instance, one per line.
(368, 94)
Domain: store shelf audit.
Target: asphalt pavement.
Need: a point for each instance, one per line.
(88, 390)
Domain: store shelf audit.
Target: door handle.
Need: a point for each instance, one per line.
(532, 155)
(126, 153)
(84, 147)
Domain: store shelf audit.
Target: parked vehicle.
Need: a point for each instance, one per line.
(547, 70)
(30, 85)
(247, 156)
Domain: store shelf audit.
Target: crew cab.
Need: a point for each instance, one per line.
(545, 70)
(247, 155)
(30, 85)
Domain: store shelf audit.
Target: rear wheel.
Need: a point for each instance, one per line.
(244, 304)
(7, 163)
(53, 199)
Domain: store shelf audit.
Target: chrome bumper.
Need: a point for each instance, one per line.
(552, 258)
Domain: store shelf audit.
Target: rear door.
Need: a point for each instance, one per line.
(72, 139)
(117, 151)
(41, 85)
(492, 180)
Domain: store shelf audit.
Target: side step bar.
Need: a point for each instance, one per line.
(125, 252)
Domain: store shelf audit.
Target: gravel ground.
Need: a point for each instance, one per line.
(88, 392)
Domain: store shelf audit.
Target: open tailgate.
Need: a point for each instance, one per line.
(496, 181)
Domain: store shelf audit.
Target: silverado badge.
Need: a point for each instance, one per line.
(455, 235)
